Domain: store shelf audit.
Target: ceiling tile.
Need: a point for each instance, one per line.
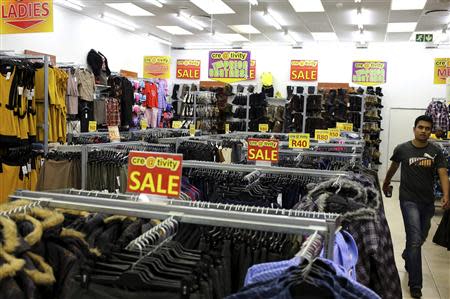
(404, 16)
(319, 27)
(398, 37)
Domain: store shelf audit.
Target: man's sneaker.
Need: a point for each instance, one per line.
(416, 292)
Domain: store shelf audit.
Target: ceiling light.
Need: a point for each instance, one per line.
(213, 7)
(155, 2)
(324, 36)
(401, 27)
(245, 29)
(232, 37)
(189, 20)
(271, 19)
(74, 4)
(359, 18)
(253, 2)
(207, 46)
(175, 30)
(117, 21)
(357, 1)
(307, 5)
(360, 36)
(291, 37)
(130, 9)
(159, 40)
(408, 4)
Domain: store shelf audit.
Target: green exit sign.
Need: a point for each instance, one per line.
(424, 38)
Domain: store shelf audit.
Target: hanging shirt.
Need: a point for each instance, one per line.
(86, 84)
(439, 112)
(151, 93)
(267, 79)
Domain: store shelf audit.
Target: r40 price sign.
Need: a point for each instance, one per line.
(299, 140)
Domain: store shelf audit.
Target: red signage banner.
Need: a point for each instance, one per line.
(252, 73)
(188, 69)
(26, 16)
(304, 70)
(155, 173)
(262, 150)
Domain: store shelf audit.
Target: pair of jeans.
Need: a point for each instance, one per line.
(417, 220)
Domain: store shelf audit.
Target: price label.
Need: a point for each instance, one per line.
(92, 126)
(262, 150)
(344, 126)
(154, 173)
(114, 134)
(322, 135)
(227, 128)
(176, 124)
(334, 133)
(192, 130)
(264, 128)
(299, 140)
(448, 135)
(144, 124)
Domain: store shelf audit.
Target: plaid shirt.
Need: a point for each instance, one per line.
(376, 267)
(112, 112)
(439, 112)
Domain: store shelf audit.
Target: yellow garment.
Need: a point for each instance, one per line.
(267, 79)
(39, 85)
(9, 125)
(9, 181)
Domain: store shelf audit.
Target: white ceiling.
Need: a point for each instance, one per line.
(338, 17)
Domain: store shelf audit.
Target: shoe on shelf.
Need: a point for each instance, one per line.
(415, 292)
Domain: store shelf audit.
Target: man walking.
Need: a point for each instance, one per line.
(419, 160)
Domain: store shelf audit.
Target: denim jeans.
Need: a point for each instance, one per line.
(417, 220)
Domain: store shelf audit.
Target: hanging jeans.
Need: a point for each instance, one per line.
(417, 220)
(151, 114)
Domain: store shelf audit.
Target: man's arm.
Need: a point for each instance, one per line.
(443, 178)
(390, 173)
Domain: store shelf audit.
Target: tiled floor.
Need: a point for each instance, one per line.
(435, 259)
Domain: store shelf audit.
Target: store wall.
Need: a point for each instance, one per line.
(75, 34)
(409, 83)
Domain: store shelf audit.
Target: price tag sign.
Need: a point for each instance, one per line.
(114, 134)
(344, 126)
(144, 124)
(92, 126)
(262, 150)
(176, 124)
(227, 128)
(334, 133)
(299, 140)
(155, 173)
(264, 128)
(322, 135)
(192, 130)
(448, 135)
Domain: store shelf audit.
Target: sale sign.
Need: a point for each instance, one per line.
(369, 73)
(322, 135)
(299, 140)
(188, 69)
(334, 133)
(114, 134)
(252, 75)
(304, 70)
(263, 128)
(262, 150)
(157, 67)
(229, 66)
(441, 70)
(155, 173)
(26, 16)
(92, 126)
(344, 126)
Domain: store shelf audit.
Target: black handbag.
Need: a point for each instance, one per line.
(442, 236)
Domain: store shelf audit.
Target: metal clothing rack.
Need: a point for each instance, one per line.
(326, 224)
(46, 60)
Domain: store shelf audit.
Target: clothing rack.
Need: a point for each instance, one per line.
(46, 60)
(206, 215)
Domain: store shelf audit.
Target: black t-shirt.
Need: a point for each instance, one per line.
(418, 166)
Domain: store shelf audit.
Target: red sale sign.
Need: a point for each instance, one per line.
(262, 150)
(304, 70)
(155, 173)
(252, 73)
(188, 69)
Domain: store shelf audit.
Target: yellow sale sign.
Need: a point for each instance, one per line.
(157, 67)
(26, 16)
(299, 140)
(322, 135)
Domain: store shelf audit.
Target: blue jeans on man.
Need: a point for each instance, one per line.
(417, 220)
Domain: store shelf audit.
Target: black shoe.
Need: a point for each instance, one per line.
(404, 258)
(415, 292)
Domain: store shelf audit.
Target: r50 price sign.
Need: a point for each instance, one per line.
(299, 140)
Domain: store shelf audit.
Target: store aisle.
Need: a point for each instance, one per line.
(435, 259)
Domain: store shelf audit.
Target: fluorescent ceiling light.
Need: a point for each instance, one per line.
(291, 37)
(268, 16)
(253, 2)
(189, 20)
(213, 7)
(159, 40)
(401, 27)
(232, 37)
(207, 46)
(175, 30)
(408, 4)
(74, 4)
(246, 29)
(360, 36)
(117, 21)
(307, 5)
(324, 36)
(155, 2)
(130, 9)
